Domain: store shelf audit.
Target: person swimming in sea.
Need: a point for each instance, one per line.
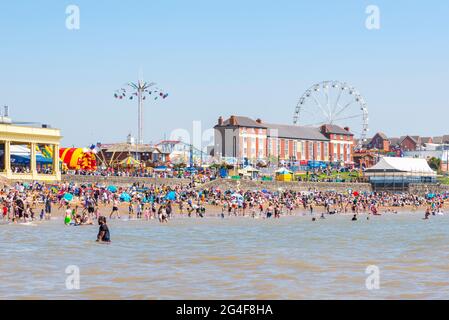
(354, 218)
(78, 220)
(103, 232)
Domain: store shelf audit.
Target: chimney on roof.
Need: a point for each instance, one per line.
(233, 121)
(259, 121)
(220, 121)
(323, 128)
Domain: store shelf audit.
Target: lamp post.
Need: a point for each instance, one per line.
(140, 90)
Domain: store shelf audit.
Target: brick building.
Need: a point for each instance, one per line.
(244, 138)
(379, 142)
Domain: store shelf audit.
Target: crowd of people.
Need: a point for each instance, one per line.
(84, 204)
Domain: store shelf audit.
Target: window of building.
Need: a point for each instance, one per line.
(335, 152)
(311, 151)
(295, 149)
(303, 150)
(326, 151)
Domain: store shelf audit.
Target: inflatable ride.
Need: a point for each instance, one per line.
(78, 159)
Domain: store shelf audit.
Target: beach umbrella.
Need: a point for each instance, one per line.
(112, 189)
(171, 196)
(68, 197)
(125, 197)
(236, 197)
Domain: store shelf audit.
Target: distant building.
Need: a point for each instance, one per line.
(437, 151)
(380, 142)
(410, 143)
(29, 153)
(441, 139)
(179, 152)
(244, 138)
(111, 154)
(365, 159)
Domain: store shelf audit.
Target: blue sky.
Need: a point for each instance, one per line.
(214, 58)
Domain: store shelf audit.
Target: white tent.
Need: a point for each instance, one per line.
(410, 166)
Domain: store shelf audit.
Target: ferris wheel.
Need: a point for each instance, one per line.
(333, 102)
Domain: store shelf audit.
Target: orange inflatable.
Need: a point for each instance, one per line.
(78, 158)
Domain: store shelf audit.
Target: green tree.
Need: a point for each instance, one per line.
(435, 163)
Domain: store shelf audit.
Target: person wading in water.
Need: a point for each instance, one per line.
(103, 232)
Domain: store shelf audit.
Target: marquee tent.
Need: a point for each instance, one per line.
(409, 166)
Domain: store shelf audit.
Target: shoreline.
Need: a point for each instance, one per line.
(215, 211)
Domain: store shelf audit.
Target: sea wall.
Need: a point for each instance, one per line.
(224, 184)
(295, 186)
(428, 188)
(121, 181)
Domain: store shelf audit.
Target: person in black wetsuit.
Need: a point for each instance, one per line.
(103, 232)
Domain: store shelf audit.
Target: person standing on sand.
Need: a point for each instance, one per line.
(103, 232)
(130, 210)
(114, 209)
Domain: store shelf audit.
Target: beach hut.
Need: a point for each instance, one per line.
(249, 171)
(283, 174)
